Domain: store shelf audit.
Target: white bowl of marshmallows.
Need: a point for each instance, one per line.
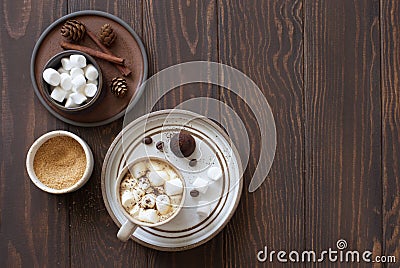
(72, 80)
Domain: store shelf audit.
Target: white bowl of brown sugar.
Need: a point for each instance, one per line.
(59, 162)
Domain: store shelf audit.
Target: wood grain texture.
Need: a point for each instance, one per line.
(330, 71)
(175, 32)
(33, 225)
(343, 128)
(263, 39)
(93, 233)
(390, 77)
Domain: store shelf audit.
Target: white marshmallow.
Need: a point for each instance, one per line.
(61, 70)
(75, 72)
(172, 174)
(201, 185)
(66, 64)
(78, 98)
(173, 187)
(137, 194)
(148, 201)
(94, 82)
(70, 103)
(78, 83)
(68, 93)
(64, 75)
(148, 215)
(128, 184)
(127, 199)
(51, 76)
(135, 210)
(155, 165)
(144, 183)
(203, 209)
(139, 169)
(158, 178)
(214, 173)
(175, 200)
(163, 204)
(91, 72)
(77, 61)
(90, 90)
(58, 94)
(66, 82)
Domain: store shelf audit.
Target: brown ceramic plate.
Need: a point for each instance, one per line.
(127, 45)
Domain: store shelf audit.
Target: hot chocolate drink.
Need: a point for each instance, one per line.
(151, 191)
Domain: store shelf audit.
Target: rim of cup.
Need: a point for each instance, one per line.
(39, 142)
(121, 175)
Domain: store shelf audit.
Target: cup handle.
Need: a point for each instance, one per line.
(126, 231)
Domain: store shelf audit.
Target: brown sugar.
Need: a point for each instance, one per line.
(60, 162)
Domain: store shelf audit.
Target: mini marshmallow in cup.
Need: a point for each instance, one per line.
(127, 199)
(158, 178)
(139, 170)
(135, 210)
(66, 64)
(94, 82)
(61, 70)
(163, 204)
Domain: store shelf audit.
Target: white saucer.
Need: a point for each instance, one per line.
(213, 148)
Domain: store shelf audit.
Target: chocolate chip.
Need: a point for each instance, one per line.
(147, 140)
(160, 146)
(194, 193)
(193, 162)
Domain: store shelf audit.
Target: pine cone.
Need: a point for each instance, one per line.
(73, 30)
(119, 87)
(107, 35)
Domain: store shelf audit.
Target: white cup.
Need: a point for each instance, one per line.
(129, 226)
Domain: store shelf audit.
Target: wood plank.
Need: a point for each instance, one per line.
(343, 127)
(33, 224)
(175, 32)
(263, 39)
(93, 233)
(178, 32)
(390, 55)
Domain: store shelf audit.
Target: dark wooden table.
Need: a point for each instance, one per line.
(331, 73)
